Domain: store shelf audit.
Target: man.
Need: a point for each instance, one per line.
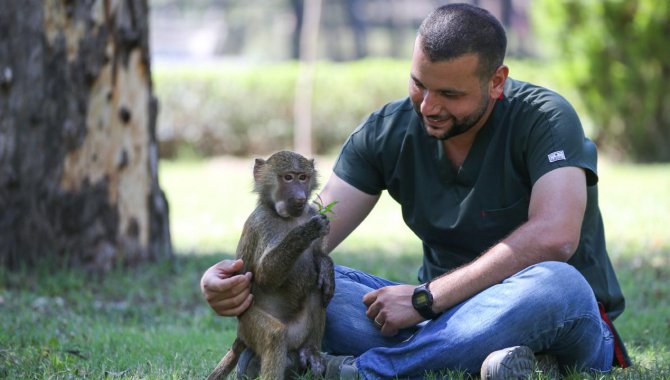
(497, 179)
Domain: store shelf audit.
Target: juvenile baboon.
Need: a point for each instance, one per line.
(293, 280)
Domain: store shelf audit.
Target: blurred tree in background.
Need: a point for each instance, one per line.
(616, 54)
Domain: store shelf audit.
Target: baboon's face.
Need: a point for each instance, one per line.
(285, 182)
(292, 191)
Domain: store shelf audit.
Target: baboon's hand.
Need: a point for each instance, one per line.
(327, 286)
(318, 226)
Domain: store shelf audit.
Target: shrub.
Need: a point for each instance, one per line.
(615, 54)
(241, 110)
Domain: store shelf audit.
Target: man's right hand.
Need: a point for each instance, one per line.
(228, 293)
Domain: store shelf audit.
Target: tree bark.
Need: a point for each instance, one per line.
(78, 148)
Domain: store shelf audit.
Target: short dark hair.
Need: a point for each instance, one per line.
(453, 30)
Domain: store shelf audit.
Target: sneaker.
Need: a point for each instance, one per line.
(509, 363)
(340, 368)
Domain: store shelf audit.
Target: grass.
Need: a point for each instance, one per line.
(151, 322)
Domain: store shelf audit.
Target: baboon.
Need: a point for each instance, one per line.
(282, 245)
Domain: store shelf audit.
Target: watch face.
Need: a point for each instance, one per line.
(421, 298)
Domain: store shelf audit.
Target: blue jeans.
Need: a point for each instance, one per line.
(548, 307)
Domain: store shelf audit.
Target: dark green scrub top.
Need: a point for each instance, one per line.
(459, 214)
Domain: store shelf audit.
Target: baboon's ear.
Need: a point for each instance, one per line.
(258, 164)
(311, 162)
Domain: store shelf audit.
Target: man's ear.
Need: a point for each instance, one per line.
(497, 83)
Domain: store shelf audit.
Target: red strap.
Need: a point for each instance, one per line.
(618, 351)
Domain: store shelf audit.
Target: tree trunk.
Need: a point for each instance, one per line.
(78, 149)
(302, 106)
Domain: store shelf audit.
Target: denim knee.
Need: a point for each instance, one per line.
(552, 290)
(558, 278)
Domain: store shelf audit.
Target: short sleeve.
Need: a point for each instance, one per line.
(557, 140)
(357, 163)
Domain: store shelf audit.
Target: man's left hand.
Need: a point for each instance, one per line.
(390, 308)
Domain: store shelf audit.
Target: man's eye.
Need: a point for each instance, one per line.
(450, 95)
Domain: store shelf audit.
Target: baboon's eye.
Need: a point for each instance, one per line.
(288, 177)
(302, 177)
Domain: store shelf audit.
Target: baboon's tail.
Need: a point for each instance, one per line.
(228, 362)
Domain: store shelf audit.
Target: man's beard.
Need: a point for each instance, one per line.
(462, 125)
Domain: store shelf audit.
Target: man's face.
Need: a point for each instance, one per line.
(448, 96)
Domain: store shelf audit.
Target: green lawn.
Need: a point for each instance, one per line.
(151, 322)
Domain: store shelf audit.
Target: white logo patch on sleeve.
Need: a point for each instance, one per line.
(556, 156)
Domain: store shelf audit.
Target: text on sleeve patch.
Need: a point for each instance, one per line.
(556, 156)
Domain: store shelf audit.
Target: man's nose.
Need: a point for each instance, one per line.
(429, 104)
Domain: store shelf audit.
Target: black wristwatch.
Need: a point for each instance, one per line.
(422, 300)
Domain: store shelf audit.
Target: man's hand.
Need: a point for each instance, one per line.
(390, 308)
(228, 293)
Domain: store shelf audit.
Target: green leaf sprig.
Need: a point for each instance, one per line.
(325, 210)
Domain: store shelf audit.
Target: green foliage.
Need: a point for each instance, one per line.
(615, 54)
(324, 209)
(241, 109)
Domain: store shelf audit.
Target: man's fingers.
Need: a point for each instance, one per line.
(388, 330)
(227, 285)
(228, 268)
(227, 308)
(234, 290)
(227, 292)
(373, 312)
(242, 284)
(369, 298)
